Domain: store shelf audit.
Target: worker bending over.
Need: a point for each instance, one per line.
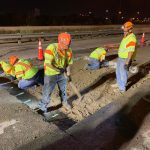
(97, 59)
(27, 74)
(8, 70)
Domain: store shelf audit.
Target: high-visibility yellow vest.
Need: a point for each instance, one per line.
(99, 54)
(127, 44)
(59, 59)
(8, 68)
(24, 69)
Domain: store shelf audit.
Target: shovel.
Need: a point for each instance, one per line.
(74, 88)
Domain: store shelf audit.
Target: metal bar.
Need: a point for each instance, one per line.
(1, 84)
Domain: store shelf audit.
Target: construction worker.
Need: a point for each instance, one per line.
(8, 70)
(25, 72)
(58, 58)
(97, 59)
(125, 54)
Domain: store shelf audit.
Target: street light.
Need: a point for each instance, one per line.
(119, 12)
(106, 10)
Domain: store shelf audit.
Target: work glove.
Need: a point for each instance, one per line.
(62, 70)
(126, 67)
(12, 78)
(104, 63)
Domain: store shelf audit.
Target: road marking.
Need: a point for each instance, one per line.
(19, 94)
(29, 100)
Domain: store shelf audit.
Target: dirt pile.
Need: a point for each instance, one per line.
(95, 88)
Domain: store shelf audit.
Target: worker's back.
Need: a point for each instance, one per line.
(24, 69)
(98, 53)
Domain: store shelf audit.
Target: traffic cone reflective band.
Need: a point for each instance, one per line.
(143, 38)
(40, 51)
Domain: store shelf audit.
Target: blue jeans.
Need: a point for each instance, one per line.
(37, 79)
(49, 85)
(95, 64)
(121, 74)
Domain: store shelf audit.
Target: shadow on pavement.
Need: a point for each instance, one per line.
(108, 129)
(100, 80)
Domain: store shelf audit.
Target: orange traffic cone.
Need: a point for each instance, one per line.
(143, 38)
(40, 51)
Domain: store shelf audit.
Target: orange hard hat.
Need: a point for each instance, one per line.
(64, 40)
(128, 25)
(12, 59)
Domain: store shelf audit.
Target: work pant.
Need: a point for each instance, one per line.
(49, 85)
(121, 74)
(37, 79)
(96, 64)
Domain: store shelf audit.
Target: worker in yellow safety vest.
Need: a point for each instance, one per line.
(25, 72)
(97, 59)
(8, 70)
(58, 58)
(125, 55)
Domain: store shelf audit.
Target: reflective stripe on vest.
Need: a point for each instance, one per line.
(49, 52)
(28, 67)
(132, 43)
(127, 42)
(9, 71)
(57, 58)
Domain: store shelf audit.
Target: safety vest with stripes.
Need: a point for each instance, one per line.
(99, 54)
(57, 58)
(127, 44)
(24, 69)
(7, 68)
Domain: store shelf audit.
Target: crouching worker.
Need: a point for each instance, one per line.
(97, 59)
(8, 70)
(58, 58)
(25, 72)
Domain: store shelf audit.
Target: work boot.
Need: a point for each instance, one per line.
(66, 105)
(42, 107)
(114, 85)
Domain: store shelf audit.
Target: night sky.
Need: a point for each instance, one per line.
(67, 7)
